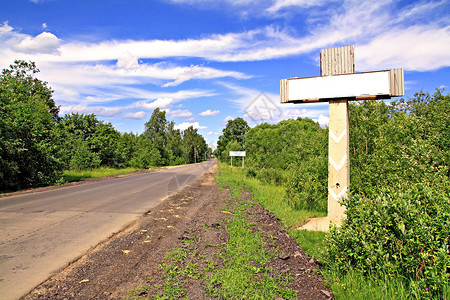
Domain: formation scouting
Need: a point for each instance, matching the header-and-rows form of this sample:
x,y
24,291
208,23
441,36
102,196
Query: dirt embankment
x,y
131,258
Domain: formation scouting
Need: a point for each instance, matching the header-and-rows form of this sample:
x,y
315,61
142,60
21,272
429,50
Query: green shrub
x,y
306,185
270,175
84,158
403,231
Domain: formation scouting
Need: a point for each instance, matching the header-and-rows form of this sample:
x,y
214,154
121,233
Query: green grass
x,y
312,242
270,196
244,274
75,175
352,285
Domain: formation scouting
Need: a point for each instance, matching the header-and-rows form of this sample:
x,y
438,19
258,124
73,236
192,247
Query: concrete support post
x,y
338,158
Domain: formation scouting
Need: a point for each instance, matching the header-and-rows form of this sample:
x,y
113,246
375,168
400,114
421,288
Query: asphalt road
x,y
42,232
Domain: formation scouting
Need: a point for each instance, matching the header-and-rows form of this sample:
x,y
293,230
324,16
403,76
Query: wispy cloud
x,y
209,113
135,116
179,113
151,105
282,4
366,23
102,111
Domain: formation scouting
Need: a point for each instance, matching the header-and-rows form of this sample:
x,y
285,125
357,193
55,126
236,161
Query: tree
x,y
235,130
156,132
146,155
83,158
28,114
174,145
127,145
101,140
194,145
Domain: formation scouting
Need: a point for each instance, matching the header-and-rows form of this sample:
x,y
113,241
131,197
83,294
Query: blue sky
x,y
206,61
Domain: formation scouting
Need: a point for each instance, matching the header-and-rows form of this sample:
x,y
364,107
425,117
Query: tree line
x,y
37,144
398,222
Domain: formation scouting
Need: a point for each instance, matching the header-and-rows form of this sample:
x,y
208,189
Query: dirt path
x,y
130,259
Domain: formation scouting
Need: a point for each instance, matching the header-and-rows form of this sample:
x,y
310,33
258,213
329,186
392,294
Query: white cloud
x,y
102,111
280,4
5,28
419,48
185,125
365,23
180,113
135,116
385,34
323,120
45,42
199,72
210,132
369,24
128,61
208,113
160,102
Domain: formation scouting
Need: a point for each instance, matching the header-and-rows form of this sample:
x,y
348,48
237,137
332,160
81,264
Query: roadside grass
x,y
270,196
244,274
352,285
75,175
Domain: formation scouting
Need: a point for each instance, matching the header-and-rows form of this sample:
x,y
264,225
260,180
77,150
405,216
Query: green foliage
x,y
28,155
234,131
195,148
86,142
395,239
156,132
403,232
398,213
146,155
292,153
406,141
83,157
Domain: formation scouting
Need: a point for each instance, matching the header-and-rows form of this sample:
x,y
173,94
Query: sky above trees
x,y
205,62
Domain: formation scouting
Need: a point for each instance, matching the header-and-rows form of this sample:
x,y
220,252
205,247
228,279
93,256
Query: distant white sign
x,y
237,153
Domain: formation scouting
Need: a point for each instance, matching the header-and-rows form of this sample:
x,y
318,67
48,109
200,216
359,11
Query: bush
x,y
270,175
306,186
250,172
402,231
84,158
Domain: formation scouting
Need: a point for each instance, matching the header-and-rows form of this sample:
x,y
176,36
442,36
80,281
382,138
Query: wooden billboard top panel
x,y
339,60
353,86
